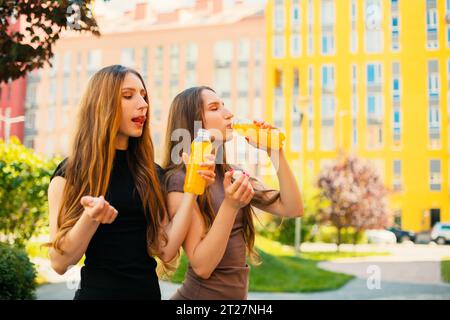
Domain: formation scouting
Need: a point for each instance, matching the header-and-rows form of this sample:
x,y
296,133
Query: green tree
x,y
24,50
24,180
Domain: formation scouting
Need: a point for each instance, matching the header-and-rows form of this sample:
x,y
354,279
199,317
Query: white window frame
x,y
279,44
353,26
435,178
279,16
310,23
296,23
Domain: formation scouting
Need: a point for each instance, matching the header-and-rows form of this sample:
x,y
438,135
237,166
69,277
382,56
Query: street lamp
x,y
298,221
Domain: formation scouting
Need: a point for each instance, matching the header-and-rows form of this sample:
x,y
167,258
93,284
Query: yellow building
x,y
371,77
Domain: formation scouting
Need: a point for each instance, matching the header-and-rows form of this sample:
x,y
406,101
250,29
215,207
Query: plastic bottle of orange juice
x,y
200,147
267,138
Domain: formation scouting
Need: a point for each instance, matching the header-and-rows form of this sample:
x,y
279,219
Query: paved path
x,y
410,272
355,290
419,272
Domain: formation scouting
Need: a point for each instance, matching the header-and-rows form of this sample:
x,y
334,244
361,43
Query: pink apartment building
x,y
206,44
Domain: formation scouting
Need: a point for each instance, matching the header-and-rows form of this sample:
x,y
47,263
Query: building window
x,y
435,175
310,142
396,103
447,17
191,64
432,24
296,45
278,108
373,16
279,25
93,61
296,113
144,64
258,68
395,25
174,70
354,85
66,78
242,107
310,23
327,27
223,52
127,57
328,108
374,106
353,27
296,15
258,108
49,147
397,168
53,91
33,80
51,119
54,61
279,18
278,45
158,78
433,104
243,71
78,76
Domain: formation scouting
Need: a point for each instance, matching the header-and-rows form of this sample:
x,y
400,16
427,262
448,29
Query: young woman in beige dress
x,y
221,234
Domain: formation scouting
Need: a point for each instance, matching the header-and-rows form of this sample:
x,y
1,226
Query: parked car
x,y
441,233
381,236
403,235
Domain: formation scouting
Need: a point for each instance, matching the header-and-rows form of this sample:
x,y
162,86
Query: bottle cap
x,y
239,121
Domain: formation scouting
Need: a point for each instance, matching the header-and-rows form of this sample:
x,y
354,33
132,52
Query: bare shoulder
x,y
56,186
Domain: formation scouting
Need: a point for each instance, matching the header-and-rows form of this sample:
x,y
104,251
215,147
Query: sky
x,y
115,7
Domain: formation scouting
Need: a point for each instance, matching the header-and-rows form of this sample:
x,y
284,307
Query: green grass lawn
x,y
282,271
445,269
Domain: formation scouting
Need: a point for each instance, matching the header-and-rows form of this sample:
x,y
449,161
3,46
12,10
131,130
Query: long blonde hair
x,y
186,108
89,165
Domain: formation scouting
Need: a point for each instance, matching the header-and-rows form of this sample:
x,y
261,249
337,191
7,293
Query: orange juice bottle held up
x,y
200,147
270,139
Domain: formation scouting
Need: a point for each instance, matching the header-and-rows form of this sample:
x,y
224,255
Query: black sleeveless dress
x,y
117,265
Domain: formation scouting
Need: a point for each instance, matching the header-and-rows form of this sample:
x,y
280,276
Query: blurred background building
x,y
12,102
206,43
370,77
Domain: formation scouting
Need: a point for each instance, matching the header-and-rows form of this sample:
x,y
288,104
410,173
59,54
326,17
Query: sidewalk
x,y
354,290
410,272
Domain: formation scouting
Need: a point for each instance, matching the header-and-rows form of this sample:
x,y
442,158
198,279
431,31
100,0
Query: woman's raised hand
x,y
98,209
206,168
238,193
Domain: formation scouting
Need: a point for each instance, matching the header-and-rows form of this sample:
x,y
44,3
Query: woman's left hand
x,y
261,125
206,168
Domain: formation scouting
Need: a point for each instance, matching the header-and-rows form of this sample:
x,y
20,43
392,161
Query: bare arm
x,y
205,251
181,216
76,241
178,227
290,203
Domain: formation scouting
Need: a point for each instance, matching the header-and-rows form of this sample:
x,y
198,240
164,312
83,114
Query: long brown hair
x,y
89,165
185,110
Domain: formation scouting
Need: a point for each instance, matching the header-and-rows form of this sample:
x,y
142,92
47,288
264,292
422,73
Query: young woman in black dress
x,y
105,200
